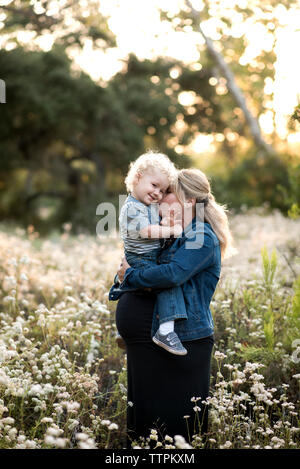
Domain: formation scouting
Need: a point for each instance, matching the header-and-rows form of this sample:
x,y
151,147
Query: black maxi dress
x,y
160,384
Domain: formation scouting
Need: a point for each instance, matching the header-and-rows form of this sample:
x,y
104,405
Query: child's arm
x,y
158,231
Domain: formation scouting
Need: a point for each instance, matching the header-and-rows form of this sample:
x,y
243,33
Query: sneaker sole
x,y
169,349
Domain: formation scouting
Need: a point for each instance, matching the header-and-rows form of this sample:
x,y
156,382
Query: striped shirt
x,y
135,216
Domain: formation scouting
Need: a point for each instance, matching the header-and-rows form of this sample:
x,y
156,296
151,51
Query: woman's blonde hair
x,y
193,183
147,162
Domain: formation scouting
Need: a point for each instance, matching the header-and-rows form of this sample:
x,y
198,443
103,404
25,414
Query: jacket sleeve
x,y
184,265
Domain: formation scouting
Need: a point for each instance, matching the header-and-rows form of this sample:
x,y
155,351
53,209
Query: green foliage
x,y
252,180
259,321
296,115
294,211
269,328
50,122
293,328
250,76
67,142
269,267
22,15
292,196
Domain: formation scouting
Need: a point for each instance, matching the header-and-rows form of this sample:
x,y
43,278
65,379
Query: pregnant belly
x,y
134,316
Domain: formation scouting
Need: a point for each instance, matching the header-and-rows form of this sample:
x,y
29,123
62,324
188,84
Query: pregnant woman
x,y
165,392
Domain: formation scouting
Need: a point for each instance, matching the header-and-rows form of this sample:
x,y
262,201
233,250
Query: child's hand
x,y
166,221
171,219
177,230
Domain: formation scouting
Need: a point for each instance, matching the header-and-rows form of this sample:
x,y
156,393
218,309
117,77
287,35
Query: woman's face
x,y
170,198
170,207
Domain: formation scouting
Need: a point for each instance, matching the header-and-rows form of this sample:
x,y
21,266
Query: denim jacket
x,y
192,261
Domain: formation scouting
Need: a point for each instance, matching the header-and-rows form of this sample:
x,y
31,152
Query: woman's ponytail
x,y
193,183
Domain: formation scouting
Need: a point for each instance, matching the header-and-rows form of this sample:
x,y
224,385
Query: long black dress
x,y
160,384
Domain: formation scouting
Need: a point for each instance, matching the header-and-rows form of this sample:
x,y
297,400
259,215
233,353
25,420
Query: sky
x,y
138,29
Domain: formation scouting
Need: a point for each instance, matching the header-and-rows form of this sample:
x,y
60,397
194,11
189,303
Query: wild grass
x,y
63,378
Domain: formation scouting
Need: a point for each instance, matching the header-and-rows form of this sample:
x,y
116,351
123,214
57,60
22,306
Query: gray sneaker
x,y
170,342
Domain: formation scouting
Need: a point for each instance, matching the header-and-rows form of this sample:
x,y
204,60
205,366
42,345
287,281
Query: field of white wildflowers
x,y
63,378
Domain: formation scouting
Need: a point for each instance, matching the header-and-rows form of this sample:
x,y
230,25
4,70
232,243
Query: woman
x,y
165,392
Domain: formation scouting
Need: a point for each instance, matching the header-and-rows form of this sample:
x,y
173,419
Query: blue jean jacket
x,y
170,301
192,261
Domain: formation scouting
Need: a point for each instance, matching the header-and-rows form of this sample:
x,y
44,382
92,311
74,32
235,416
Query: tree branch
x,y
232,86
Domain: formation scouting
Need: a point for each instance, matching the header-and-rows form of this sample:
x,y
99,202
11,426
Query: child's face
x,y
150,187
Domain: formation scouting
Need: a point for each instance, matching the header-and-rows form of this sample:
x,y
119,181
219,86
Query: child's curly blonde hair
x,y
147,162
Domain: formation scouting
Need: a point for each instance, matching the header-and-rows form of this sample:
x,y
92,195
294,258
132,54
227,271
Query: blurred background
x,y
90,85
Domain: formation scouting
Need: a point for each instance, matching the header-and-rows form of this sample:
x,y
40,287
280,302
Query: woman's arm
x,y
184,265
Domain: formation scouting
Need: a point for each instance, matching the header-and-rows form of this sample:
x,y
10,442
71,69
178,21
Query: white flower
x,y
30,444
61,442
24,260
36,390
122,388
8,299
227,445
181,443
256,377
73,423
237,381
13,261
113,426
54,431
8,421
47,420
219,355
105,422
49,440
82,436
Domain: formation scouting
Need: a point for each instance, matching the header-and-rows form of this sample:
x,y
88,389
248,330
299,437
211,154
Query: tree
x,y
53,17
48,132
232,86
244,78
67,142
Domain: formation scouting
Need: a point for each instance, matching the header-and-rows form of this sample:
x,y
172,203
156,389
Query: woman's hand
x,y
122,269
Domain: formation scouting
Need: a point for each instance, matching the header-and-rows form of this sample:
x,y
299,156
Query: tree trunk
x,y
233,87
